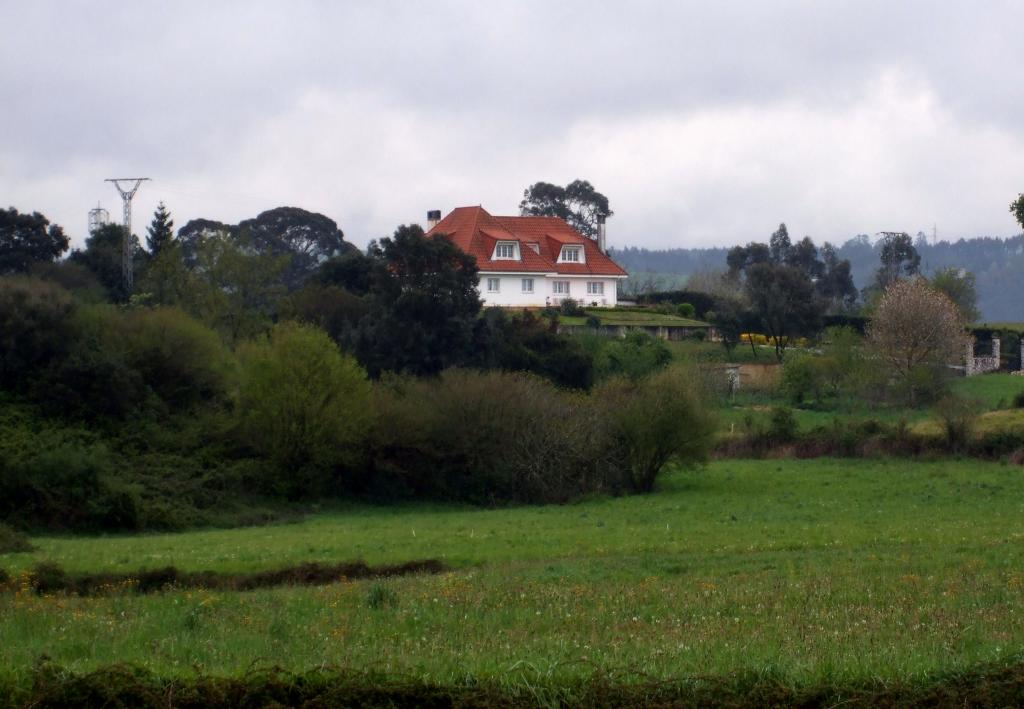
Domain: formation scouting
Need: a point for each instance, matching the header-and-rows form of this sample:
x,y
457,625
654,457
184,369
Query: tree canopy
x,y
308,239
160,231
26,239
578,203
1017,209
899,257
959,286
424,305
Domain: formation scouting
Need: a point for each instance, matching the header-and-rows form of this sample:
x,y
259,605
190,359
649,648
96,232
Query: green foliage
x,y
103,256
236,288
686,310
637,355
802,378
66,484
178,358
166,280
899,257
380,596
481,437
12,541
571,308
160,232
782,425
648,423
784,300
351,271
1017,209
960,287
28,239
959,417
303,405
578,203
35,324
92,380
522,342
424,306
333,309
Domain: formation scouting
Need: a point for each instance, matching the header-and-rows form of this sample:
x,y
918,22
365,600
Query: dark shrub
x,y
66,485
334,310
181,360
480,436
571,307
35,328
958,416
12,541
1018,400
526,343
93,380
782,426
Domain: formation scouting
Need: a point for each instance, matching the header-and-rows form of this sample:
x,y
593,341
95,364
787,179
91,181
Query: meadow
x,y
810,571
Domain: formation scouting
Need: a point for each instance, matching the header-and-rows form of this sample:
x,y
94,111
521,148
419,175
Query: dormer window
x,y
507,250
571,254
535,246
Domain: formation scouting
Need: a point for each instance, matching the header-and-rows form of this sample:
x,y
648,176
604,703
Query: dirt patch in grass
x,y
126,685
48,578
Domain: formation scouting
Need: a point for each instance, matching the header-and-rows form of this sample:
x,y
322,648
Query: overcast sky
x,y
705,123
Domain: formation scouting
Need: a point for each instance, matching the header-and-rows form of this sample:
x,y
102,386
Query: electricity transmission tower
x,y
127,257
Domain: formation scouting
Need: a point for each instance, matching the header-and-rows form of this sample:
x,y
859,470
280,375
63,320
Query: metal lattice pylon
x,y
127,257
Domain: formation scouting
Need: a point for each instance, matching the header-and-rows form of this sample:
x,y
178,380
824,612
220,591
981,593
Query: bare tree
x,y
917,331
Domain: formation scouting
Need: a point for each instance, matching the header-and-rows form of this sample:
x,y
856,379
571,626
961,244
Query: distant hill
x,y
998,265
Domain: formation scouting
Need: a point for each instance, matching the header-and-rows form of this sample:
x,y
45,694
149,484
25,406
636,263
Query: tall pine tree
x,y
160,231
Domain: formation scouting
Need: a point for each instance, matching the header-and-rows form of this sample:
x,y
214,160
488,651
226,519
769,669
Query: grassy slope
x,y
820,569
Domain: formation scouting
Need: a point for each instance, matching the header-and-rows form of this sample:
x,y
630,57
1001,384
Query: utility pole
x,y
127,257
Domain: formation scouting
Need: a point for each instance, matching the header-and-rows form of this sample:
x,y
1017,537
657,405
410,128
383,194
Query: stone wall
x,y
980,365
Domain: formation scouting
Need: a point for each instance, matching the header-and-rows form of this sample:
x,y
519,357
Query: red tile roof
x,y
476,232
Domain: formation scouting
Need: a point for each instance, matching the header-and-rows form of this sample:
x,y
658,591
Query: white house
x,y
531,261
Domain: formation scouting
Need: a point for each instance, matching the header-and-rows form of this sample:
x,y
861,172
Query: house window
x,y
535,246
572,254
505,250
493,285
595,287
527,285
560,287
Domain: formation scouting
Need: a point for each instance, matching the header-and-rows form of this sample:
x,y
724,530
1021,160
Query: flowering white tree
x,y
917,331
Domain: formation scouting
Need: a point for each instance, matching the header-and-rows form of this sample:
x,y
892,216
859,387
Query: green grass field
x,y
817,570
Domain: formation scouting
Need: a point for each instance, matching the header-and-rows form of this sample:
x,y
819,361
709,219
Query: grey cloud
x,y
238,107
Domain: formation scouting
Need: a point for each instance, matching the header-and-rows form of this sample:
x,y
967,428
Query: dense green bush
x,y
35,323
480,436
525,343
506,437
645,424
92,380
636,356
958,416
69,485
303,405
12,541
181,360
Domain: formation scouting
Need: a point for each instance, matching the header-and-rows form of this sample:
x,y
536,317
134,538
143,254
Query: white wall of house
x,y
510,292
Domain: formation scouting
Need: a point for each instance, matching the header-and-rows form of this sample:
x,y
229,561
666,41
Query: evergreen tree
x,y
160,231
